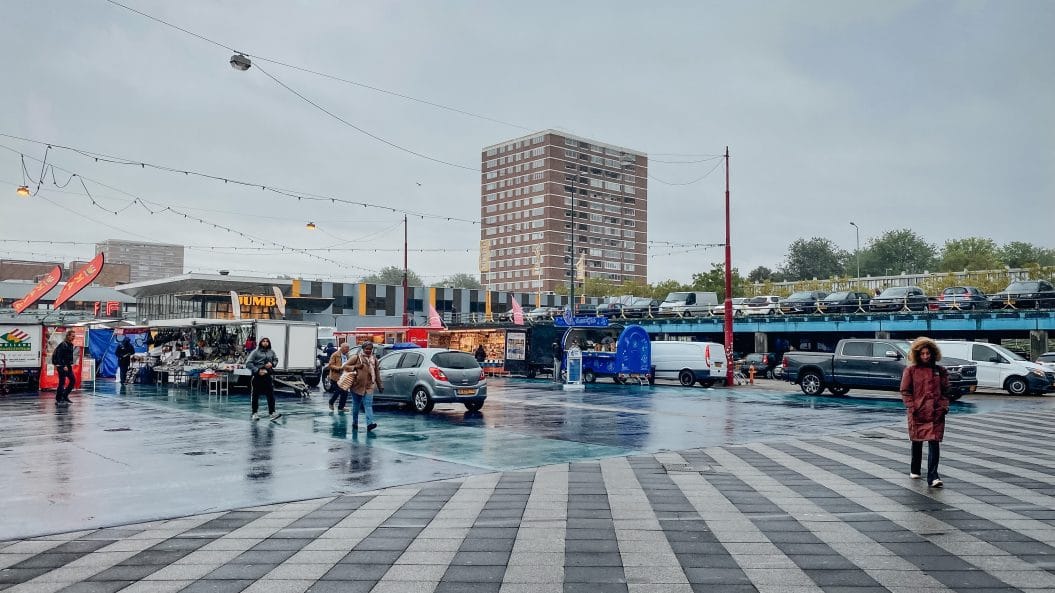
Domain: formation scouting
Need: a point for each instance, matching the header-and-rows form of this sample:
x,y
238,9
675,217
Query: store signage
x,y
583,321
107,309
256,300
80,280
47,283
16,340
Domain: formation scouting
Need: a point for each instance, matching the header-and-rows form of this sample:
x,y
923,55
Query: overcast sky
x,y
932,115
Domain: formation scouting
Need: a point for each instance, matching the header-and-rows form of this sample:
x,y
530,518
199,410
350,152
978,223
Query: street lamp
x,y
240,62
310,226
23,190
857,231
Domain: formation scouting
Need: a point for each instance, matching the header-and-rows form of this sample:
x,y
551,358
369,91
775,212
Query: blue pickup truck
x,y
875,364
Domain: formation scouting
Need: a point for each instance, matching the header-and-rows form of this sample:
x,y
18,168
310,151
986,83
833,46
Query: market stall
x,y
505,349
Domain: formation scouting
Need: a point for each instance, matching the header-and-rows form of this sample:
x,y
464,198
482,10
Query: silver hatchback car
x,y
424,377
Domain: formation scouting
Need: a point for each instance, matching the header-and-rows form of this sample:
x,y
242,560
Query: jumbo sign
x,y
255,300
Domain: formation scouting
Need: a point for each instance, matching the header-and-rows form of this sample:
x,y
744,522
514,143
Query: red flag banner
x,y
50,281
80,280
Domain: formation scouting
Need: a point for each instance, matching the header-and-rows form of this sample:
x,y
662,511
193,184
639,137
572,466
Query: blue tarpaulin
x,y
102,345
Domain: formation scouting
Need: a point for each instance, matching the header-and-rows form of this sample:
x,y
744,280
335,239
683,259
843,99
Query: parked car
x,y
1000,368
739,306
846,301
543,313
960,297
762,305
899,298
428,376
1047,360
764,363
1024,294
802,302
870,364
688,303
639,307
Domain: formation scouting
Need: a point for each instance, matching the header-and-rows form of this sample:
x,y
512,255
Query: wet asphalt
x,y
126,454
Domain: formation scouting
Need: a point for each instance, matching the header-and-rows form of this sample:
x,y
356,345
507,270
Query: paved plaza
x,y
823,503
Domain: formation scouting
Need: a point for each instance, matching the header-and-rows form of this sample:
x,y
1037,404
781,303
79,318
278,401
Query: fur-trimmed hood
x,y
920,343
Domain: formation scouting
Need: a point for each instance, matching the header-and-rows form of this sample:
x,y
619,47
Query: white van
x,y
1000,368
688,303
689,362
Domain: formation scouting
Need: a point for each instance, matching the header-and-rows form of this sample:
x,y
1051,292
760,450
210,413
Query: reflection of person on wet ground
x,y
261,363
260,442
361,461
62,359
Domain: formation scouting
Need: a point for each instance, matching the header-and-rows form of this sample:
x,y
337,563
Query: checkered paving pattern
x,y
833,514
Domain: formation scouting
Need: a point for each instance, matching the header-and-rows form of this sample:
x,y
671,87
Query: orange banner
x,y
81,279
41,289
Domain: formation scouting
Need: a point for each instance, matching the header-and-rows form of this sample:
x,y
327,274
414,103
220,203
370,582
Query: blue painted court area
x,y
131,454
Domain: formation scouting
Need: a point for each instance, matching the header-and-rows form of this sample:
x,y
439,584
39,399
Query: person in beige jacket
x,y
367,376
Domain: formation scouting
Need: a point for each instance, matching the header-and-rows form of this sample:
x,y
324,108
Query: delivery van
x,y
1000,368
688,303
688,362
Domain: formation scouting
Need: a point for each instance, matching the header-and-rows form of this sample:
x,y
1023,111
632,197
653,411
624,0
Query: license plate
x,y
466,392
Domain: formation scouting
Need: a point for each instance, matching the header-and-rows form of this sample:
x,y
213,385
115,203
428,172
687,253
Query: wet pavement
x,y
141,453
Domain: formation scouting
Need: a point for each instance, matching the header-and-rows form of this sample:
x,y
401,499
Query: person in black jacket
x,y
125,350
62,358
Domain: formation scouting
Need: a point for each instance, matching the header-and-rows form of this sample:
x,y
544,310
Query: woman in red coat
x,y
923,388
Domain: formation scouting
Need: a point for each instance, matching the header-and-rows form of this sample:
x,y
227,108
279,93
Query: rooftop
x,y
568,135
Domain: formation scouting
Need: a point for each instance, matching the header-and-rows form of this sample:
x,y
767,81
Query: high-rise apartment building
x,y
147,261
539,192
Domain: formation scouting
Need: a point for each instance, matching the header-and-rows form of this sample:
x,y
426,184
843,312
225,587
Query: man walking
x,y
125,350
367,376
62,359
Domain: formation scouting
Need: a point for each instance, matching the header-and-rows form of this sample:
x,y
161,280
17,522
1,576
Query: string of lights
x,y
300,196
160,208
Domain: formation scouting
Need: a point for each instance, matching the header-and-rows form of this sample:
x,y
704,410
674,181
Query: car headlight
x,y
1038,373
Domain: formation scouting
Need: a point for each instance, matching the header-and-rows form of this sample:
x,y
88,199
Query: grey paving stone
x,y
240,571
580,559
467,558
341,587
281,544
124,573
486,545
468,587
595,587
356,572
47,560
371,557
593,574
204,586
96,587
591,545
475,574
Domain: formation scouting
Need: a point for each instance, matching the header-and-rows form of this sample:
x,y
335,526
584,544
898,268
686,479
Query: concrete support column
x,y
761,342
1038,343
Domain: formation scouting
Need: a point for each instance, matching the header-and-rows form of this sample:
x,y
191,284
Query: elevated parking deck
x,y
974,322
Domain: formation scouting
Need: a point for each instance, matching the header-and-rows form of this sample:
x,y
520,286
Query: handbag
x,y
346,379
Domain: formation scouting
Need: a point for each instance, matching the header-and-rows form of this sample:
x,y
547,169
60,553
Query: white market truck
x,y
20,351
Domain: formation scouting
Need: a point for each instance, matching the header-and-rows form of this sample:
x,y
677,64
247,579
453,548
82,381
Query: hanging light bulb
x,y
240,62
310,226
23,191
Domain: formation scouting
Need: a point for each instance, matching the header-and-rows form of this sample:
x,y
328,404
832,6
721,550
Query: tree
x,y
813,258
971,253
393,276
1018,254
714,281
760,274
461,280
897,251
660,290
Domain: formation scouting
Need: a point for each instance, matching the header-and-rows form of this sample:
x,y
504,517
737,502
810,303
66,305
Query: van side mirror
x,y
893,354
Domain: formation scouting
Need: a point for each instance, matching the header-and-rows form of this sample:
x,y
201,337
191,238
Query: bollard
x,y
751,375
